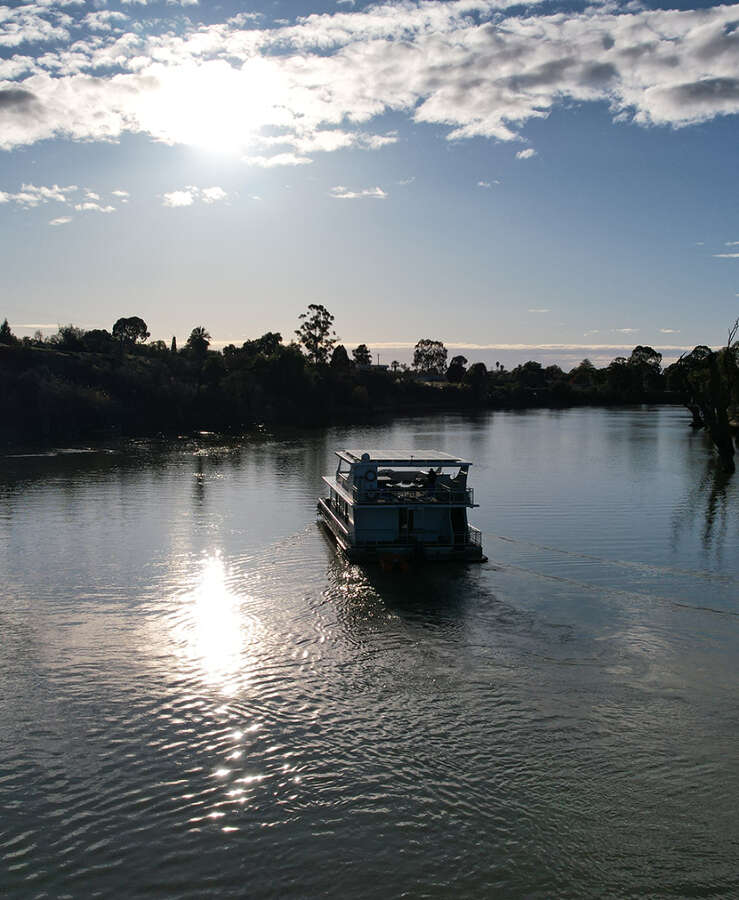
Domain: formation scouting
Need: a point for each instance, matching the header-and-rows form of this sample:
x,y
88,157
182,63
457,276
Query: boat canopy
x,y
402,458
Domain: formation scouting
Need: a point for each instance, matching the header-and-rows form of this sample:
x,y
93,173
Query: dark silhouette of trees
x,y
316,334
6,335
128,331
362,356
709,382
173,345
456,371
198,342
340,361
429,357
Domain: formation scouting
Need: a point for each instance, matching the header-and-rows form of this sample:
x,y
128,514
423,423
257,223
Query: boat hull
x,y
395,554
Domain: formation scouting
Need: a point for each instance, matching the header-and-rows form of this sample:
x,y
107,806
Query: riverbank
x,y
48,395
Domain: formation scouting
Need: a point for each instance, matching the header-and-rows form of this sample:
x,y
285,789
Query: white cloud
x,y
213,194
103,20
539,310
179,198
123,196
726,255
188,195
277,94
343,193
484,184
61,220
31,195
92,206
731,244
669,330
626,330
406,181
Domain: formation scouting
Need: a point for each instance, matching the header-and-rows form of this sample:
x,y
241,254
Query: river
x,y
199,697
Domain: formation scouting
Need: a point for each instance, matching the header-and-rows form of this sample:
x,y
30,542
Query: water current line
x,y
626,564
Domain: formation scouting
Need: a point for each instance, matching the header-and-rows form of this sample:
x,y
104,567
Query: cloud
x,y
178,198
31,195
484,184
626,330
726,255
92,206
123,196
188,195
542,310
274,95
731,244
213,194
342,193
61,220
669,330
405,181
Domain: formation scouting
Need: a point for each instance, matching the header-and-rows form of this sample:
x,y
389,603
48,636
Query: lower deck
x,y
459,541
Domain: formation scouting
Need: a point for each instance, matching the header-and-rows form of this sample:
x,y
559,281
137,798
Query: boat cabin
x,y
401,501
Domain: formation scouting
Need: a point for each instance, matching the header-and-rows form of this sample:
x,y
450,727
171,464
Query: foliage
x,y
6,335
130,330
199,341
362,356
316,333
456,371
709,382
340,361
429,357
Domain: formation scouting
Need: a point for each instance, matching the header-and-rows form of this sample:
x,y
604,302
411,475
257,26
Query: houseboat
x,y
399,505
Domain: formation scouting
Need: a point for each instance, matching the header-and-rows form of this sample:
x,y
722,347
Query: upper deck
x,y
401,477
401,459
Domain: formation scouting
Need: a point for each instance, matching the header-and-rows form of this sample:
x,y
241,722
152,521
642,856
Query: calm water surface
x,y
198,697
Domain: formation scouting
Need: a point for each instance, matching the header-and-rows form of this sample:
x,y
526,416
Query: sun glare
x,y
217,633
213,105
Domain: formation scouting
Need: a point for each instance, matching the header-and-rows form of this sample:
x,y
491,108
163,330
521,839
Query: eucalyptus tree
x,y
316,334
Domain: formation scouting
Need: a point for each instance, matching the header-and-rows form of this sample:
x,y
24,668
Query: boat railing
x,y
474,536
414,494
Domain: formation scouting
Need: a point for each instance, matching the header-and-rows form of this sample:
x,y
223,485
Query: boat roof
x,y
402,457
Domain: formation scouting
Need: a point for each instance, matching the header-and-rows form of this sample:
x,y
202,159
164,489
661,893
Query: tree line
x,y
81,382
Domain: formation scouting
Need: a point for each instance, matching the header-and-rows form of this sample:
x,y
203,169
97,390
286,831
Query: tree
x,y
362,356
316,334
173,345
429,357
710,380
199,341
69,337
477,378
395,365
645,362
340,361
456,370
98,340
130,330
6,335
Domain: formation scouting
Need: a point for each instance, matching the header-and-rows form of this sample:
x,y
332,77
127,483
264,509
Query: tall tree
x,y
710,381
429,357
362,356
340,361
130,330
173,345
6,335
199,341
316,333
456,371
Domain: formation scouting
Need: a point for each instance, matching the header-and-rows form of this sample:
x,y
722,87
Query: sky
x,y
543,181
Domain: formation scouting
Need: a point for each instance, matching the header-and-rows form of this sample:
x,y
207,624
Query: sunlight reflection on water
x,y
213,630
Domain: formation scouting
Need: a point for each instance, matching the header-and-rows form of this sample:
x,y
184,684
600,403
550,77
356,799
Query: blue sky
x,y
543,181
